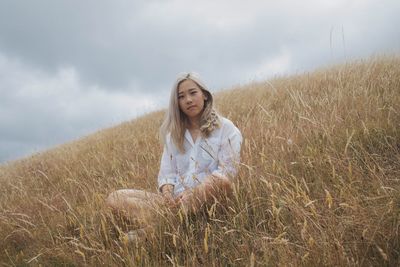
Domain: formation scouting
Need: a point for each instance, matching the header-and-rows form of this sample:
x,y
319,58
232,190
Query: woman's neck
x,y
194,124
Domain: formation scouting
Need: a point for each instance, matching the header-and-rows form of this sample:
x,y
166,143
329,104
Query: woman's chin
x,y
193,114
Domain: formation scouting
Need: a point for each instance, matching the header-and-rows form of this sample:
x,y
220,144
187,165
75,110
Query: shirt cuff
x,y
219,173
165,181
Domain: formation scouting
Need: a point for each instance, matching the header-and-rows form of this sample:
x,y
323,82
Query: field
x,y
319,183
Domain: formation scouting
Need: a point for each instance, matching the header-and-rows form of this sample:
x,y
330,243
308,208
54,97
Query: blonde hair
x,y
175,121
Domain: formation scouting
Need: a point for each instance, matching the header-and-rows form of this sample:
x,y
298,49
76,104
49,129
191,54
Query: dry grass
x,y
319,184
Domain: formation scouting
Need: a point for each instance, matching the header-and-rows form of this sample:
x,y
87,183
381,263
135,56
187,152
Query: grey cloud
x,y
89,35
68,68
115,47
38,110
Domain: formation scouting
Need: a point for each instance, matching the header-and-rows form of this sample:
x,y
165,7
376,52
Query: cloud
x,y
40,110
147,42
276,65
68,68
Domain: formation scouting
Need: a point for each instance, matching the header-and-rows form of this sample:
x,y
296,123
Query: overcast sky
x,y
69,68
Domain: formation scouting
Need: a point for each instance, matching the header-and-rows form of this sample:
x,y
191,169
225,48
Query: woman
x,y
201,155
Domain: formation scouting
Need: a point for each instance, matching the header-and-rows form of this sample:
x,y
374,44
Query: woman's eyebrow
x,y
189,90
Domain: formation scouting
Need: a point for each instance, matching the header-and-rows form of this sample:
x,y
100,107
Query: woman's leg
x,y
135,204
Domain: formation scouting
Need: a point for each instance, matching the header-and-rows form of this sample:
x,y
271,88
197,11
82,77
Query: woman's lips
x,y
189,108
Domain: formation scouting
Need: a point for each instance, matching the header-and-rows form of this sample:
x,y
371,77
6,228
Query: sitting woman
x,y
200,158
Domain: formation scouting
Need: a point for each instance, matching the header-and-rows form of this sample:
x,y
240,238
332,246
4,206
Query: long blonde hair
x,y
175,121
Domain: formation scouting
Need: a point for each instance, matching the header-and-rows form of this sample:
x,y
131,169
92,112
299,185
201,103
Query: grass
x,y
319,182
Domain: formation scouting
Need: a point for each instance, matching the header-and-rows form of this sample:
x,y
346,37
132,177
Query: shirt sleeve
x,y
167,174
229,153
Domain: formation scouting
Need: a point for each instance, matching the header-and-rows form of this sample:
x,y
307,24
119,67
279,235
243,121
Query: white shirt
x,y
217,154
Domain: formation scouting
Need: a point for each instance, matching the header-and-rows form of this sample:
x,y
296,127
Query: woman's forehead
x,y
186,85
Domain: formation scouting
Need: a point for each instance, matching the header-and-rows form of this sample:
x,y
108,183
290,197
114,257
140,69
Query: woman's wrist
x,y
167,190
167,194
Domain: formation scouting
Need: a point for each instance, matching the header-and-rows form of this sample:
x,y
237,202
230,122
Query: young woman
x,y
200,158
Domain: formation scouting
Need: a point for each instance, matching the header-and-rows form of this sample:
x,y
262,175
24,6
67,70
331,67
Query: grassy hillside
x,y
319,183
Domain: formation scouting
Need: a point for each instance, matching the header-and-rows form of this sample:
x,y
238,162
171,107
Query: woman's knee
x,y
114,199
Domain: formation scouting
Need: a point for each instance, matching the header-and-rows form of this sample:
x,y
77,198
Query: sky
x,y
69,68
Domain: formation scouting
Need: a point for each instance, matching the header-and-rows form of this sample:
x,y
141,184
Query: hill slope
x,y
319,184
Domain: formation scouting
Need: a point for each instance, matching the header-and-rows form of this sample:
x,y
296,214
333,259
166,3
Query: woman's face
x,y
191,99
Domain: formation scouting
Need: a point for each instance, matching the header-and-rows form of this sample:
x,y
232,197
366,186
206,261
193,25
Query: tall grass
x,y
319,183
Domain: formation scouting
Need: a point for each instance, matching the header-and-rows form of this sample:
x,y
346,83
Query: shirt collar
x,y
189,137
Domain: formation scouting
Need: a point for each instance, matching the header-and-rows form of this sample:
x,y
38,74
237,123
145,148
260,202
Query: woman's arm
x,y
220,181
229,152
167,174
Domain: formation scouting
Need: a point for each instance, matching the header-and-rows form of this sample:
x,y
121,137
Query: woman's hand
x,y
168,197
170,201
186,199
